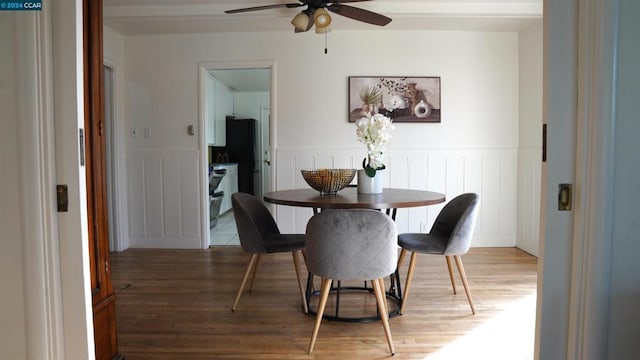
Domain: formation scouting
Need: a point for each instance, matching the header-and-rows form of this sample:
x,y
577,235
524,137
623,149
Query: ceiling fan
x,y
316,13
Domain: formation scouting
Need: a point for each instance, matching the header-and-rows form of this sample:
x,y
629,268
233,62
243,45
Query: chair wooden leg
x,y
386,303
381,299
463,276
250,268
302,292
403,252
407,285
324,294
453,281
255,270
304,256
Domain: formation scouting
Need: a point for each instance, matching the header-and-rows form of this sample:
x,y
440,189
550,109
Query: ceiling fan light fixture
x,y
321,18
300,22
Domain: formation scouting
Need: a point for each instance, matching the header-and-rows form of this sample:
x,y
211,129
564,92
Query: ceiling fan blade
x,y
310,13
345,1
359,14
264,7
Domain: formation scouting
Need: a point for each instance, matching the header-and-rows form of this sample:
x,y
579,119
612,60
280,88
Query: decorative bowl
x,y
328,181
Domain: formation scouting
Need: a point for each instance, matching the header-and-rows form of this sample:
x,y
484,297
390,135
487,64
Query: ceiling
x,y
245,80
146,17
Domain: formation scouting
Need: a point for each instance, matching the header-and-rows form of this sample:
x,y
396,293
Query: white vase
x,y
370,185
422,109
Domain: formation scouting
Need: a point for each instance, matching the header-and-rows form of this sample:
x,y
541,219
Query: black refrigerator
x,y
242,149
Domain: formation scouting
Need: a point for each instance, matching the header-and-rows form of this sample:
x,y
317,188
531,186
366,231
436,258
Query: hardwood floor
x,y
175,304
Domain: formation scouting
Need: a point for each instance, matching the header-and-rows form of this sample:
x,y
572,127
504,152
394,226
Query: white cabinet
x,y
209,109
229,185
223,106
218,104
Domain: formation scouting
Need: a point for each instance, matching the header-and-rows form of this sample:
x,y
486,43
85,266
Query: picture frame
x,y
405,99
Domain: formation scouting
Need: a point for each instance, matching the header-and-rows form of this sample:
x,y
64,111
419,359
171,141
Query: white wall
x,y
530,137
479,73
13,340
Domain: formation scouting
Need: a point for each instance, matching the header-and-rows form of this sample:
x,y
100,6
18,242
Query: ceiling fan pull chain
x,y
325,42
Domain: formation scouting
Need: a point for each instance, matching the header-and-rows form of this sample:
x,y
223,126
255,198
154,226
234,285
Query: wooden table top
x,y
349,198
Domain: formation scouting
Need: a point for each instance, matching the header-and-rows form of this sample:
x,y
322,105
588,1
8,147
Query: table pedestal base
x,y
393,294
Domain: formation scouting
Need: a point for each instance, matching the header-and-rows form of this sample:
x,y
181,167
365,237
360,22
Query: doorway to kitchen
x,y
236,106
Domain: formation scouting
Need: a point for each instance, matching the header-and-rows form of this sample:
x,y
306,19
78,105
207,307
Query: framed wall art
x,y
403,99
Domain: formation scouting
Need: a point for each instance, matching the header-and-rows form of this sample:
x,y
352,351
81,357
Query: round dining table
x,y
389,200
349,198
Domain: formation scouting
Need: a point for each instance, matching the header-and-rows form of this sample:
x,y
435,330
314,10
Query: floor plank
x,y
175,304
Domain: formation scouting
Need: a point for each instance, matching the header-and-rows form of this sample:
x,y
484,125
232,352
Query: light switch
x,y
147,133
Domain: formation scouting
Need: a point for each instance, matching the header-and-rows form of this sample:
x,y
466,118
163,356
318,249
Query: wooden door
x,y
103,296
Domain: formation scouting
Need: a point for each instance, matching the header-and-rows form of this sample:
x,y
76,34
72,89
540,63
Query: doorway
x,y
251,87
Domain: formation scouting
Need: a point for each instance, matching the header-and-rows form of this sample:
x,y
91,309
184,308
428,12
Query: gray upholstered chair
x,y
450,236
259,234
356,244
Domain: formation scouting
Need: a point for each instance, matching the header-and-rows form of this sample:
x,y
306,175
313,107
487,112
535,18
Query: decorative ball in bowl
x,y
328,181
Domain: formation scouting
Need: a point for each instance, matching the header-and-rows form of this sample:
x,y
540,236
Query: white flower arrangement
x,y
374,131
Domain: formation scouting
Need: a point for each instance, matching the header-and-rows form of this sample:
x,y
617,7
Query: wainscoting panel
x,y
491,173
171,171
163,199
136,198
163,193
190,197
153,184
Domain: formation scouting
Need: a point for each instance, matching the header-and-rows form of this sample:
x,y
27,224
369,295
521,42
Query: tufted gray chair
x,y
259,234
355,244
450,236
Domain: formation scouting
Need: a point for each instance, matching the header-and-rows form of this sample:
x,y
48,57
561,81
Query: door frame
x,y
265,179
203,68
